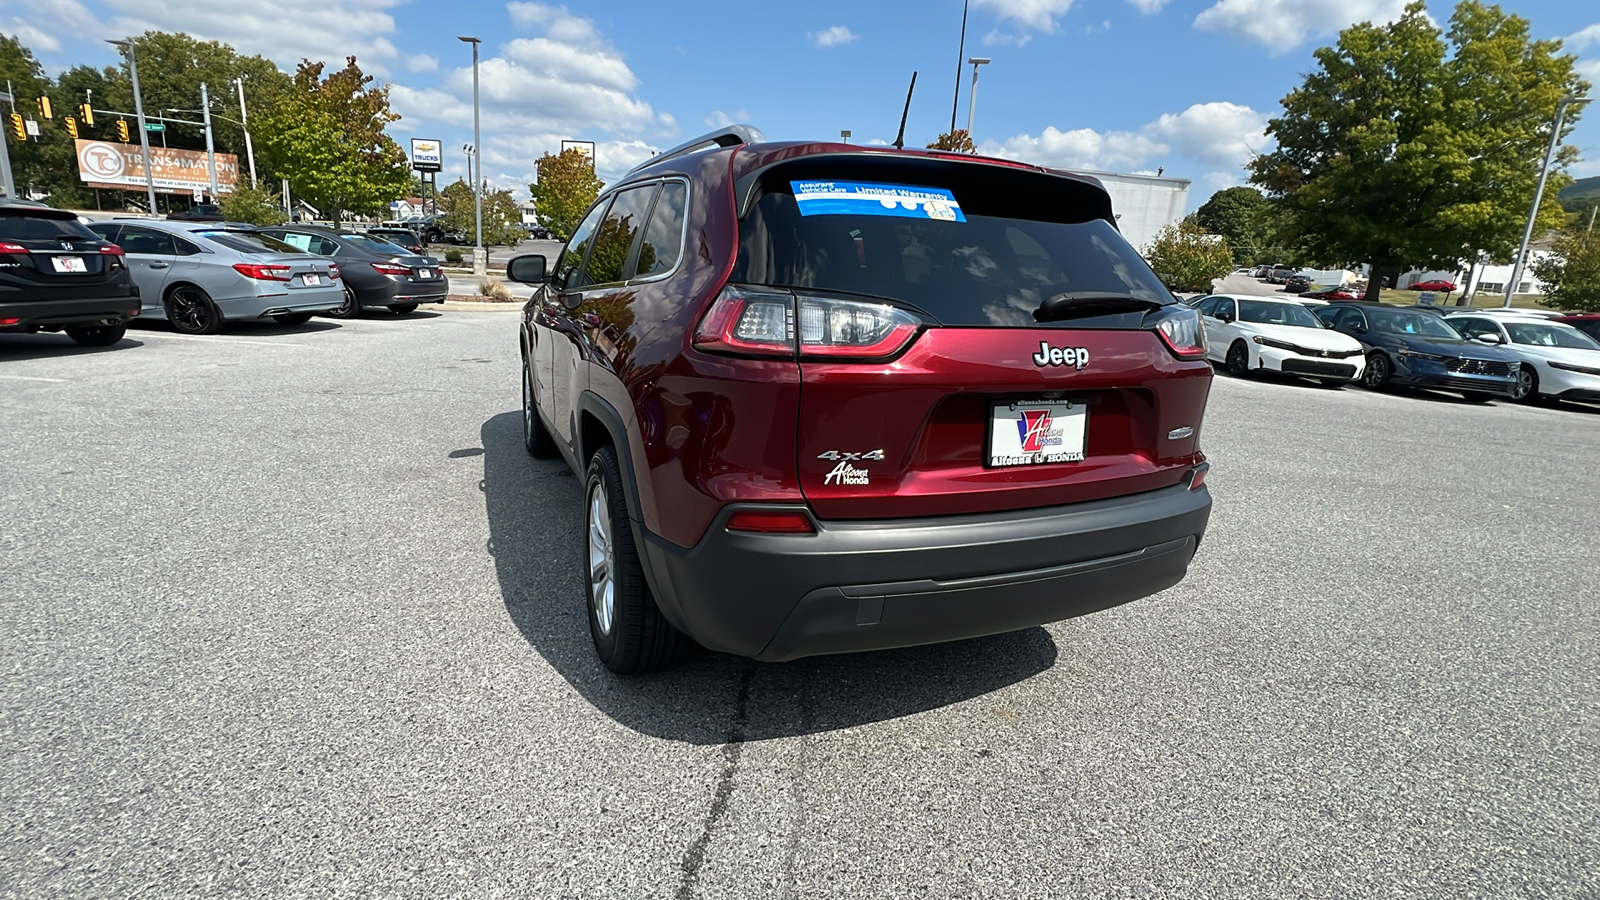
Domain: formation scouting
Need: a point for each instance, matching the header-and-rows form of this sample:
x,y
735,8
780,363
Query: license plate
x,y
1034,432
311,280
68,264
424,273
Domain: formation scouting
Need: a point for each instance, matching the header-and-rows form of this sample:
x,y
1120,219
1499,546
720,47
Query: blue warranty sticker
x,y
858,198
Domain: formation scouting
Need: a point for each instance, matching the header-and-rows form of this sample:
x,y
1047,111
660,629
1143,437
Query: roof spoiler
x,y
728,136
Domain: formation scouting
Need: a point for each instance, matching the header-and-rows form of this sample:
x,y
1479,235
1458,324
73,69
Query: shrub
x,y
453,256
495,292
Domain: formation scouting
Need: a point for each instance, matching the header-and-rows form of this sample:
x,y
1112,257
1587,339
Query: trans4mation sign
x,y
860,198
1033,432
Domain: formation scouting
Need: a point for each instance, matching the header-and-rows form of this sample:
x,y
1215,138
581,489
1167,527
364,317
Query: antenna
x,y
900,139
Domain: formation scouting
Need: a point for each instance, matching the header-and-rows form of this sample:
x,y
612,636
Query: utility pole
x,y
1520,262
6,180
244,121
480,256
955,100
972,96
211,151
144,133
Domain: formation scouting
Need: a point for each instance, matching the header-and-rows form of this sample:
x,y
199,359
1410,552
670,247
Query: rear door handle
x,y
159,265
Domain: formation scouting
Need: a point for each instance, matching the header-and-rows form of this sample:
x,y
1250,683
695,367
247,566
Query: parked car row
x,y
59,274
1520,355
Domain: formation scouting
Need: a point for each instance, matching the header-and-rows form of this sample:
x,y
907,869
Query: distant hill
x,y
1582,189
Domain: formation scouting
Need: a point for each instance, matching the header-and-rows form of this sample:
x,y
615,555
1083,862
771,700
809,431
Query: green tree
x,y
1187,259
326,135
1571,273
247,204
566,188
1239,214
1408,146
958,141
500,213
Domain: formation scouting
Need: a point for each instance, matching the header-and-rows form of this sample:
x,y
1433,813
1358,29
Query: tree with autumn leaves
x,y
326,135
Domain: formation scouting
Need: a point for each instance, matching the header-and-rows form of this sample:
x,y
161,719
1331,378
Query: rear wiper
x,y
1068,305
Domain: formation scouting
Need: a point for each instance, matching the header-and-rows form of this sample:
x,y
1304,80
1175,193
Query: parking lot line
x,y
219,339
34,378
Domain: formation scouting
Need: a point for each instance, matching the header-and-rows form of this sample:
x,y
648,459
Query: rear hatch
x,y
47,254
972,338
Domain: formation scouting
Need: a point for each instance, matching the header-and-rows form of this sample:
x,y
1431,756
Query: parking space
x,y
289,611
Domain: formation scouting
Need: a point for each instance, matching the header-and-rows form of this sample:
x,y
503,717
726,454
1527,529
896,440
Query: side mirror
x,y
1358,328
526,269
1489,337
1224,317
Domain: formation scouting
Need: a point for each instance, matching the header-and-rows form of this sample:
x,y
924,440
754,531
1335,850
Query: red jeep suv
x,y
828,398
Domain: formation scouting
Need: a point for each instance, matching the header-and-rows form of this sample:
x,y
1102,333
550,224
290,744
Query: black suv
x,y
57,275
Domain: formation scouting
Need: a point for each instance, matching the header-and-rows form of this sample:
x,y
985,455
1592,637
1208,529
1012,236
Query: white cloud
x,y
1583,38
557,22
1028,15
422,62
585,65
833,37
1280,25
1217,135
325,30
1148,7
31,37
720,119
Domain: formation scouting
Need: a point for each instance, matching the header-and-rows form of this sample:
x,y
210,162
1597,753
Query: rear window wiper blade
x,y
1083,304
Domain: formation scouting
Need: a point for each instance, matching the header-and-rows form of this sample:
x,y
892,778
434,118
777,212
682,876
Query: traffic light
x,y
44,108
86,113
122,130
18,128
72,126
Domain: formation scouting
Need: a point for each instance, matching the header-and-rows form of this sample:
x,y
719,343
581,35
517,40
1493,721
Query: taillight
x,y
262,272
333,271
766,323
1198,477
13,320
777,521
1180,329
13,248
118,258
390,269
110,250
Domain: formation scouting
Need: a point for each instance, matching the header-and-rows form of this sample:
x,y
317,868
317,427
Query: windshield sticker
x,y
859,198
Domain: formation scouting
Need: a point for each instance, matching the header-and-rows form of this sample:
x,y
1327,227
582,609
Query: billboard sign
x,y
107,164
426,155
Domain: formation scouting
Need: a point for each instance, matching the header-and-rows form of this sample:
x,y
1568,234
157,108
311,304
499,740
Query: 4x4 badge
x,y
835,454
1076,357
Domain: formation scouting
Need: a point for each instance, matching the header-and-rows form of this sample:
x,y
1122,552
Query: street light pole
x,y
972,96
480,257
244,122
1538,195
138,112
211,149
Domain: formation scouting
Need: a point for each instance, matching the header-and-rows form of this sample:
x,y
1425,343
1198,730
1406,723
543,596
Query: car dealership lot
x,y
289,611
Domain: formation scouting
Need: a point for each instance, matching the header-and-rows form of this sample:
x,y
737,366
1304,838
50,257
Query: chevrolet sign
x,y
426,155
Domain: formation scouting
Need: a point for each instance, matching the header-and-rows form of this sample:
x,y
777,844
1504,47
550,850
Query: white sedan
x,y
1259,334
1557,360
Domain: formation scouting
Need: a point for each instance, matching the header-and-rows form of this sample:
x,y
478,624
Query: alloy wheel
x,y
527,402
1377,372
1523,389
602,586
189,311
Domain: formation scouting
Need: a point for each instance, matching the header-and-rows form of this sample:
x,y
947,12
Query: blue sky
x,y
1120,85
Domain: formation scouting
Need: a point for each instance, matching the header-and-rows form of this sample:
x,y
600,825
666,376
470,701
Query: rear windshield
x,y
986,245
37,228
247,242
368,242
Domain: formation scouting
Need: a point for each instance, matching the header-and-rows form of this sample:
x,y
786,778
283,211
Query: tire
x,y
351,307
1475,397
96,335
1238,360
536,439
191,311
299,318
404,309
1376,376
1526,390
630,634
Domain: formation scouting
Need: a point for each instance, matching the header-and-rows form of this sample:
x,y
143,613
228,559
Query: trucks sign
x,y
426,155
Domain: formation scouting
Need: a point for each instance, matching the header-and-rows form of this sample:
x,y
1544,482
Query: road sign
x,y
33,128
155,126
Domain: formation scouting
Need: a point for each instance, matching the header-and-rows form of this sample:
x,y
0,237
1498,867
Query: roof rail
x,y
727,136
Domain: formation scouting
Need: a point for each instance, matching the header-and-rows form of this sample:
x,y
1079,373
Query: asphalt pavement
x,y
289,612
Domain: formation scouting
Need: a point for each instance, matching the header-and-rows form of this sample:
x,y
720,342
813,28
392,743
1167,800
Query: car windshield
x,y
247,241
1539,334
1267,312
1399,321
981,247
368,242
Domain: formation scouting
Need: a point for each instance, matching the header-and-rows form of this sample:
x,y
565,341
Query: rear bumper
x,y
60,313
871,585
310,299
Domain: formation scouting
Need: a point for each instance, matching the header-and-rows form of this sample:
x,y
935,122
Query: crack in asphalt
x,y
732,749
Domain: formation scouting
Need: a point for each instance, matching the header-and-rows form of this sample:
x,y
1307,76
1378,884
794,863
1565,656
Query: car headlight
x,y
1271,342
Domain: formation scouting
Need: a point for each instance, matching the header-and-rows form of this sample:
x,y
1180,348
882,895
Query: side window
x,y
1208,306
323,246
106,230
1327,315
663,239
1228,307
183,247
614,241
148,241
566,276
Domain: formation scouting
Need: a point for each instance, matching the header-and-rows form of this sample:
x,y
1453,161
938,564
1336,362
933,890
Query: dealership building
x,y
1143,204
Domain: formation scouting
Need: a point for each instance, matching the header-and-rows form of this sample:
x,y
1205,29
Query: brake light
x,y
110,250
13,248
390,269
333,271
262,272
766,324
1180,329
9,321
771,522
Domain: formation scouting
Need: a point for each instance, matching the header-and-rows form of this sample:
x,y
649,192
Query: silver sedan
x,y
199,275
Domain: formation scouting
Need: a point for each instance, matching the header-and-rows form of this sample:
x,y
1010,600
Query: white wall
x,y
1144,204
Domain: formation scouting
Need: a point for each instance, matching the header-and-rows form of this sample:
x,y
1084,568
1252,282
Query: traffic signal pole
x,y
144,133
